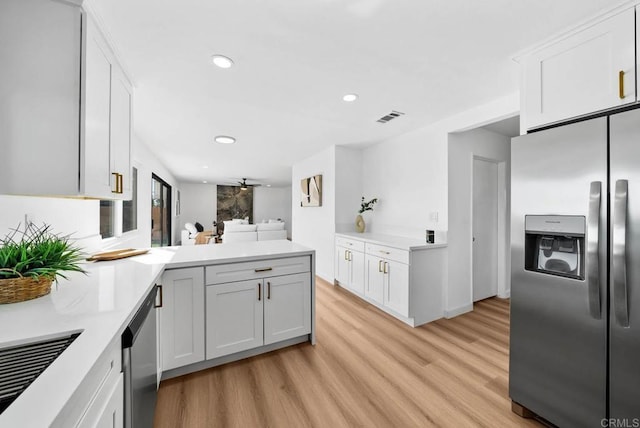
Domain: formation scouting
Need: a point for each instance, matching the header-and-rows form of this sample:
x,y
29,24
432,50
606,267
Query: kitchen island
x,y
100,305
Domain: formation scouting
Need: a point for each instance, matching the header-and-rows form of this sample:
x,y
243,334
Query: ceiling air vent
x,y
388,117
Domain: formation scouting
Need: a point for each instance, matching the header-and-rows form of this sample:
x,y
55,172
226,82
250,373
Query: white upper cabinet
x,y
586,72
65,105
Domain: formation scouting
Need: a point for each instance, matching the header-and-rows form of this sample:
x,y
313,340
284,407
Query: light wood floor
x,y
367,370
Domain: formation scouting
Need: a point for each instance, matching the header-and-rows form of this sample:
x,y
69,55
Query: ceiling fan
x,y
244,186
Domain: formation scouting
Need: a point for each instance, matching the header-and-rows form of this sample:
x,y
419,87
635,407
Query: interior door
x,y
625,272
558,350
485,229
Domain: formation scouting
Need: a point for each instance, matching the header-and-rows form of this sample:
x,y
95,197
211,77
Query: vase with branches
x,y
364,206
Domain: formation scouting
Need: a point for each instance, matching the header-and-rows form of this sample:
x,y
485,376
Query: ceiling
x,y
508,127
294,60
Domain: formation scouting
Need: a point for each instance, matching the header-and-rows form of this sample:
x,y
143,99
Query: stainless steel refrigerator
x,y
575,280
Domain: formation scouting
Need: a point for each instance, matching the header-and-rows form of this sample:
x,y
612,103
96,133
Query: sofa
x,y
191,236
238,231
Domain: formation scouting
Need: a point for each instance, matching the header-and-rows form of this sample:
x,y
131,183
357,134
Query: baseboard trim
x,y
202,365
452,313
505,295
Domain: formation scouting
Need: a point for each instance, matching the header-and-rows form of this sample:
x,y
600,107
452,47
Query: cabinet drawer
x,y
351,244
390,253
219,274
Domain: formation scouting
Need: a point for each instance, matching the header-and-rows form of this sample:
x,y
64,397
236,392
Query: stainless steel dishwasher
x,y
139,364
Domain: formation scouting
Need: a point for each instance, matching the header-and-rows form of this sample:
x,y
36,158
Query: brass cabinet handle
x,y
345,254
116,181
259,291
349,259
269,290
385,252
621,84
121,181
159,291
386,267
263,269
379,265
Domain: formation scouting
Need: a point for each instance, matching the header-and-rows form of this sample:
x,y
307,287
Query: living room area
x,y
218,213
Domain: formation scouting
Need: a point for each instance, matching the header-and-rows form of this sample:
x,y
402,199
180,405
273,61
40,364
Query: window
x,y
106,219
130,208
118,217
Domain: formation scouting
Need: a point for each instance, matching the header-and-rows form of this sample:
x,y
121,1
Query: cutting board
x,y
116,254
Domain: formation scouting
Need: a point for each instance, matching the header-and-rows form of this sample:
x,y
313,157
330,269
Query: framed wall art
x,y
311,191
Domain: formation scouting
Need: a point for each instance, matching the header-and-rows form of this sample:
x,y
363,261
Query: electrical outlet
x,y
433,216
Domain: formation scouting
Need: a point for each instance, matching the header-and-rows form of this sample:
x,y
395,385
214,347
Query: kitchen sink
x,y
20,365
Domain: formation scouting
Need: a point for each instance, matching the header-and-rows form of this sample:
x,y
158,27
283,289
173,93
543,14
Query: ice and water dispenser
x,y
554,245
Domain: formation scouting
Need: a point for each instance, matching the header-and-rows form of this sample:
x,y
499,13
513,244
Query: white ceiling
x,y
295,59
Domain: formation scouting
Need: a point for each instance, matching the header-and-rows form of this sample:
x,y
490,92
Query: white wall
x,y
272,203
314,227
198,203
80,217
409,175
348,194
462,149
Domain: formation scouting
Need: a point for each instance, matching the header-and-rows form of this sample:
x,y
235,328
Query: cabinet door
x,y
234,317
580,74
121,133
396,287
97,110
182,317
375,279
357,272
40,52
287,307
107,409
112,415
342,266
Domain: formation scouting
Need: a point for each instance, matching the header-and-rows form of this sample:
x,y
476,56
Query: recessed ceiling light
x,y
204,181
225,139
268,185
349,98
222,61
205,166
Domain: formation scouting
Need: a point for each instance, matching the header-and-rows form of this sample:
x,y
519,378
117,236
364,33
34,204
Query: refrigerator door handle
x,y
593,249
620,305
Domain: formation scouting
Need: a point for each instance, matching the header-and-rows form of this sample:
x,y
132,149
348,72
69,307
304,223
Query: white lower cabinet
x,y
404,277
234,317
108,411
350,269
182,317
99,400
374,288
247,314
217,310
287,307
396,287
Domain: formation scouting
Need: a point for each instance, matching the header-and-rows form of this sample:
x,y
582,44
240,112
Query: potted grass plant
x,y
31,259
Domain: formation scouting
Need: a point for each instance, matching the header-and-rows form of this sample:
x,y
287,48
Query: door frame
x,y
168,204
503,248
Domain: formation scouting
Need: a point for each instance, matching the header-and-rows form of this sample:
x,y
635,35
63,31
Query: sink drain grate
x,y
20,365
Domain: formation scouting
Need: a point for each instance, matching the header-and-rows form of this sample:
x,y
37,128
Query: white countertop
x,y
101,304
392,241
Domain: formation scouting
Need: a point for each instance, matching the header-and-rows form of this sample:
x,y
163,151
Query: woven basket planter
x,y
13,290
